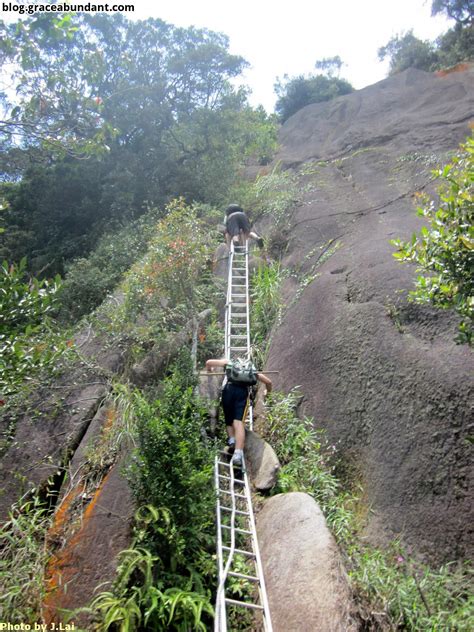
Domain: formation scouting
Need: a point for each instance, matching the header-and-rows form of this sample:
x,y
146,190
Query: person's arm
x,y
266,380
212,364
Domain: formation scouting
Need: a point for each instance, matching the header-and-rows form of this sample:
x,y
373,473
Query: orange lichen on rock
x,y
61,513
461,67
110,417
64,565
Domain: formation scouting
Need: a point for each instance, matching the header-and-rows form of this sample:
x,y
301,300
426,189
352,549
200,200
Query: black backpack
x,y
241,372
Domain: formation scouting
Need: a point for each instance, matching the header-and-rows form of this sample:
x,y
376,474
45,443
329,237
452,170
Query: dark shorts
x,y
234,402
237,222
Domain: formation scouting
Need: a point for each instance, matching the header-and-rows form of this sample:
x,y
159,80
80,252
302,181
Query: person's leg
x,y
239,433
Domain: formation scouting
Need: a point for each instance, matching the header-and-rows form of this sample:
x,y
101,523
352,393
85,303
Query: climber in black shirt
x,y
237,226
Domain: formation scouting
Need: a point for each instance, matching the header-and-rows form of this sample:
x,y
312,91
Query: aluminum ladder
x,y
237,315
238,555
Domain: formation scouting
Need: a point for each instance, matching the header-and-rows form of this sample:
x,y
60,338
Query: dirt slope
x,y
383,376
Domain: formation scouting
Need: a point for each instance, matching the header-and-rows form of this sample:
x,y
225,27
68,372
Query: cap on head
x,y
233,208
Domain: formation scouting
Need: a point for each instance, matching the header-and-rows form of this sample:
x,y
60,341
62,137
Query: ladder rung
x,y
239,304
224,491
238,325
238,530
243,604
238,335
240,551
242,513
228,478
238,349
250,578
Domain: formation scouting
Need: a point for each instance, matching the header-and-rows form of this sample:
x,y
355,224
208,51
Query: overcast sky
x,y
287,37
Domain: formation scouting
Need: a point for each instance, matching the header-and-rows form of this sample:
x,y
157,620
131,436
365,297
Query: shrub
x,y
27,341
444,250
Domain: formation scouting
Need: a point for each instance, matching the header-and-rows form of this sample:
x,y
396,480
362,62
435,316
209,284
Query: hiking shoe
x,y
237,462
260,243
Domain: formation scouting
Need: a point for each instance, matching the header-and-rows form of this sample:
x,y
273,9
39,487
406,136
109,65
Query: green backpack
x,y
241,372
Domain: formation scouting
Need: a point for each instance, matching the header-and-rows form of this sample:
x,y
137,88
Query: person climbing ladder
x,y
240,376
237,227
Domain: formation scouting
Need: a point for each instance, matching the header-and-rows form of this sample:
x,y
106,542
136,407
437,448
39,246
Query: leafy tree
x,y
460,10
296,92
456,45
25,304
407,51
329,65
55,108
444,250
155,98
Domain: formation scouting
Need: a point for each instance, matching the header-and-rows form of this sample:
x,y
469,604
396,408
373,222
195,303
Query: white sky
x,y
279,38
287,37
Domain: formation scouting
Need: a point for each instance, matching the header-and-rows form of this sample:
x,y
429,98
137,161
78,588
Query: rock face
x,y
306,584
56,419
88,558
381,374
262,461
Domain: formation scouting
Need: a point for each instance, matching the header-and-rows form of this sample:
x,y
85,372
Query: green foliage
x,y
134,113
295,92
23,558
393,591
174,468
271,196
459,10
89,280
139,599
444,250
173,281
266,305
307,459
329,65
410,595
407,51
164,580
27,342
456,45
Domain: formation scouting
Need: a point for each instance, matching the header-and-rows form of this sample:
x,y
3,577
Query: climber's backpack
x,y
241,372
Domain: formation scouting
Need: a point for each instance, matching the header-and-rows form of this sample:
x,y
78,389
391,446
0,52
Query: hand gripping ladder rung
x,y
236,542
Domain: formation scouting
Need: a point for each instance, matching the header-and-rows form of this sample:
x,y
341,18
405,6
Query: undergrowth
x,y
265,306
165,579
23,557
392,590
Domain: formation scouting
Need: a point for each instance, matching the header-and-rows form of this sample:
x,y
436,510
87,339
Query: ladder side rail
x,y
220,614
220,620
228,307
247,302
258,561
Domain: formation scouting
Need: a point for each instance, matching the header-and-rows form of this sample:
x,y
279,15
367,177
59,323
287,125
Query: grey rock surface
x,y
382,375
306,583
261,460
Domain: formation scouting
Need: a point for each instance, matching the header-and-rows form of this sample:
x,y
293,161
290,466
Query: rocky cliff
x,y
383,376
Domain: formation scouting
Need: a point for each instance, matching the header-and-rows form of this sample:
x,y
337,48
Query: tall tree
x,y
460,10
295,93
407,51
139,111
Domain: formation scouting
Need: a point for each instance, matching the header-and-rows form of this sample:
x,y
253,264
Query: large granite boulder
x,y
306,583
261,460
